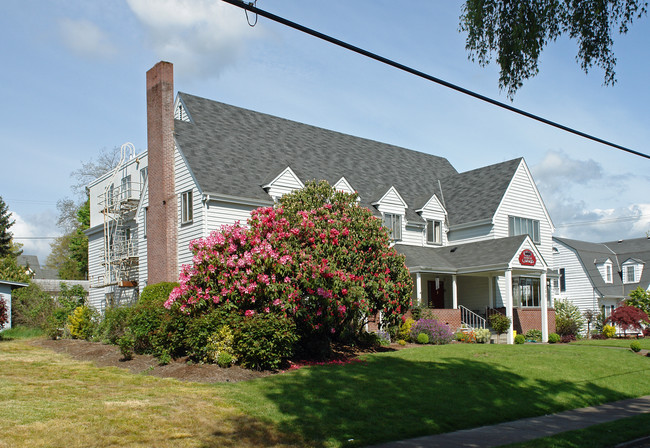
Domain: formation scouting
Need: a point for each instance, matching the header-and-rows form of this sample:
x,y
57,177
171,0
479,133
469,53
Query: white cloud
x,y
200,37
85,38
33,228
589,202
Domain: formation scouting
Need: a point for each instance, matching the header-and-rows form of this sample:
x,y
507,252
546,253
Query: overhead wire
x,y
252,8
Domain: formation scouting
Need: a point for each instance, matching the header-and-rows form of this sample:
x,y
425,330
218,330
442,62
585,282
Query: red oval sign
x,y
527,258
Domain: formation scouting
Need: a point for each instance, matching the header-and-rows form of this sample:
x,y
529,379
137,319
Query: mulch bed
x,y
104,355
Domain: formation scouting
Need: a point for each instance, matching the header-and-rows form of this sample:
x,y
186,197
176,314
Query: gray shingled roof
x,y
463,257
234,151
592,253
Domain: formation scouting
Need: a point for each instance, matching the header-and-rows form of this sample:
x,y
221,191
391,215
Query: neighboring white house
x,y
599,276
472,240
6,287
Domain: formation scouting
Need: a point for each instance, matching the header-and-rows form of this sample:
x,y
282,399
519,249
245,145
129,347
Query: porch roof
x,y
480,256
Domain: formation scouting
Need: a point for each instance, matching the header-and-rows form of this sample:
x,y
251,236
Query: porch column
x,y
418,288
510,339
543,289
491,291
454,290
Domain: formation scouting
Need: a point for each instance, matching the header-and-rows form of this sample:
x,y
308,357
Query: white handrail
x,y
470,318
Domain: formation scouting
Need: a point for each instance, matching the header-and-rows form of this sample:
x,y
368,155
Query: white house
x,y
599,276
473,241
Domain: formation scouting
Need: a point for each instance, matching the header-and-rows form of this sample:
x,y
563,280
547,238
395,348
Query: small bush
x,y
598,336
4,315
566,327
635,346
520,339
31,307
263,341
219,343
534,335
82,322
468,337
405,329
416,312
553,338
113,324
224,360
401,342
423,338
483,335
500,323
437,332
204,334
567,338
609,331
383,337
126,343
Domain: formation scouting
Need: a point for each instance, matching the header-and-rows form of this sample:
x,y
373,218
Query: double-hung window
x,y
434,231
608,273
630,276
524,226
562,280
393,223
187,213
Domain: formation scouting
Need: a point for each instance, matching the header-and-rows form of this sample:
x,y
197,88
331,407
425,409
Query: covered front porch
x,y
466,283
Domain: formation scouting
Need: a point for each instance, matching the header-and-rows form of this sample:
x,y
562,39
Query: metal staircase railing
x,y
470,319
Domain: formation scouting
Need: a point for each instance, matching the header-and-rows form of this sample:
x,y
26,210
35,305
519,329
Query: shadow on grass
x,y
243,430
391,398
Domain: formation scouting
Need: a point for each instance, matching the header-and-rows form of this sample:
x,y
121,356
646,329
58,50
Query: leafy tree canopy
x,y
5,234
640,298
628,317
518,31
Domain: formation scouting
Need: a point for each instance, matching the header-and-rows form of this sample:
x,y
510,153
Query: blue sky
x,y
73,83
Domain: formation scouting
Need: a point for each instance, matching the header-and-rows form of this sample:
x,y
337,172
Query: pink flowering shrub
x,y
4,315
319,259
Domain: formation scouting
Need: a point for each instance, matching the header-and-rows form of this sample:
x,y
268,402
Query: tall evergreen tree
x,y
5,235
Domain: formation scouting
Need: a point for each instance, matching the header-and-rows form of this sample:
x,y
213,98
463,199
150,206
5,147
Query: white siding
x,y
473,292
412,235
522,199
225,213
343,185
96,268
434,210
184,181
285,183
578,286
392,203
471,234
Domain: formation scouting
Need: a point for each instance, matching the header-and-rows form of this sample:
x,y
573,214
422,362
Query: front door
x,y
436,295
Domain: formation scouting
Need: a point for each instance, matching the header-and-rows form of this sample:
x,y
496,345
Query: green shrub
x,y
4,315
113,324
482,335
416,312
568,318
126,343
263,341
82,322
423,338
609,331
405,329
220,342
31,306
157,330
224,359
565,326
438,332
534,335
401,342
201,334
553,338
635,346
520,339
459,336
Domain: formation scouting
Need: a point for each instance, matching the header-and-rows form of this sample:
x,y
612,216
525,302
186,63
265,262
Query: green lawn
x,y
391,396
645,342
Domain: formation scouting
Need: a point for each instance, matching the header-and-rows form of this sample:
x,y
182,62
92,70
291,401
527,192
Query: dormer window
x,y
608,273
630,274
393,223
434,231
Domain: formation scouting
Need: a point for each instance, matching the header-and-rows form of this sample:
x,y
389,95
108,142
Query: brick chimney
x,y
162,214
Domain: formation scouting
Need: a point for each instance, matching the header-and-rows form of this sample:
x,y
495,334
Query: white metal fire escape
x,y
118,204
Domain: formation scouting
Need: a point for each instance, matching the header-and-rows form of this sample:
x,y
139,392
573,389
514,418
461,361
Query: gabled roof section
x,y
230,150
344,185
433,201
287,177
475,195
633,261
392,193
180,111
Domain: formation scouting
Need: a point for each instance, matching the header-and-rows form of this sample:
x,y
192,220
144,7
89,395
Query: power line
x,y
347,46
603,221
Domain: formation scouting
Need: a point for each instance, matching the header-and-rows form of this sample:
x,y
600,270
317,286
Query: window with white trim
x,y
524,226
144,172
144,222
630,274
608,273
434,231
562,280
607,310
393,223
187,212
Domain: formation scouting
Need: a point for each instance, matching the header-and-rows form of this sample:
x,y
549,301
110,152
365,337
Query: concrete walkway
x,y
530,428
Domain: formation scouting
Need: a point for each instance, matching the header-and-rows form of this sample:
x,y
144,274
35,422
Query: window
x,y
434,232
524,226
109,199
187,213
562,280
526,292
144,172
393,223
629,274
608,273
144,222
126,187
607,310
